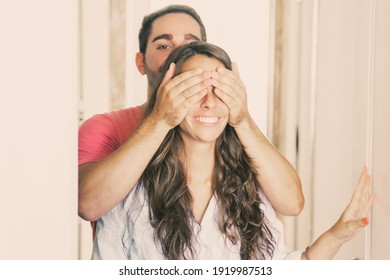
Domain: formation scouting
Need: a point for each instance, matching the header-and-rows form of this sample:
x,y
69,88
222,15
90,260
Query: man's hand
x,y
232,91
278,179
176,95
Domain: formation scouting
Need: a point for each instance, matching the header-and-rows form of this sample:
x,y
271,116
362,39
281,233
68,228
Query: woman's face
x,y
207,119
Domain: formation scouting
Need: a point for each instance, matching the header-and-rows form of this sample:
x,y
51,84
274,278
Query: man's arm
x,y
103,184
277,177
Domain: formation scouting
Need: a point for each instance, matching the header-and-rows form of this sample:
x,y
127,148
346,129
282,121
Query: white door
x,y
38,119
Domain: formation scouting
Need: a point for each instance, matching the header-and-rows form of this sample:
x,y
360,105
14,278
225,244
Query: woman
x,y
199,197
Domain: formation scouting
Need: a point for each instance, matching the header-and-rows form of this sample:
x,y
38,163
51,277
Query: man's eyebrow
x,y
162,37
169,37
191,37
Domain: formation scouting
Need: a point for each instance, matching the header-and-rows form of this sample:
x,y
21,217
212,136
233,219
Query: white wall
x,y
94,57
38,118
341,113
380,231
94,97
344,104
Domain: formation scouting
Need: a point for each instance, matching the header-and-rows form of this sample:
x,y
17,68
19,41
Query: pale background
x,y
316,68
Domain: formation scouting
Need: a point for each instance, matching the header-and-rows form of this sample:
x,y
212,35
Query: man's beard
x,y
151,76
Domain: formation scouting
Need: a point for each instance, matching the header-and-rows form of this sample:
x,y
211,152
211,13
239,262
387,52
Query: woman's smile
x,y
207,120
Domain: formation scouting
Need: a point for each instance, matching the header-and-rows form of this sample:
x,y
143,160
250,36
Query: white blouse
x,y
126,233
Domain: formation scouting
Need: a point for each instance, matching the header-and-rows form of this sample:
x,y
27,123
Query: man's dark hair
x,y
148,20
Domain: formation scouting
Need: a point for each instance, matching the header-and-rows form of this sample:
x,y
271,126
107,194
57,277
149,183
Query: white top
x,y
126,233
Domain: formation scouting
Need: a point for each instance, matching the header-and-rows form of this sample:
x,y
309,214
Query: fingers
x,y
354,225
364,185
168,75
228,79
195,98
228,99
190,82
370,201
362,199
188,88
193,86
184,86
228,85
235,68
362,195
361,222
186,80
175,95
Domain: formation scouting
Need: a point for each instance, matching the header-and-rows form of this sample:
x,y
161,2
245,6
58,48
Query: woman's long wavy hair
x,y
240,218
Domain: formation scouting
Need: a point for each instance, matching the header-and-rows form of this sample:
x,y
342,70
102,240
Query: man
x,y
115,148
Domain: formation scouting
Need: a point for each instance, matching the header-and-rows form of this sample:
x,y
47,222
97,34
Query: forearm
x,y
324,247
103,184
277,177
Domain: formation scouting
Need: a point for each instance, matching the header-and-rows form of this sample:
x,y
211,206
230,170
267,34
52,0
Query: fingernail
x,y
365,220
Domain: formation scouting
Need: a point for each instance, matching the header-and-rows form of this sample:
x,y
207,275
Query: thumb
x,y
365,221
235,68
356,224
169,74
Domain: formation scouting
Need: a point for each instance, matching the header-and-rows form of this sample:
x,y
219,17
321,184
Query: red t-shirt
x,y
102,134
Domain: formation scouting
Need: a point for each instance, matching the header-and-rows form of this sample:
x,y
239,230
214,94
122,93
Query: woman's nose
x,y
210,99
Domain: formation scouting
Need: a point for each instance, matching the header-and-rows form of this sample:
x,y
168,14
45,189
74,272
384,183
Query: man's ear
x,y
139,61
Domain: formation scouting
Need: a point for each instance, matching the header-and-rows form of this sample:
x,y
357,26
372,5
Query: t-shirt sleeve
x,y
96,139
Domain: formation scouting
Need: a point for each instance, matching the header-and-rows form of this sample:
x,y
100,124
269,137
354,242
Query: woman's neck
x,y
199,161
199,165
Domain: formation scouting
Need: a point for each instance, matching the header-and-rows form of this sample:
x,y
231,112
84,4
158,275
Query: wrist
x,y
158,122
337,234
246,123
153,125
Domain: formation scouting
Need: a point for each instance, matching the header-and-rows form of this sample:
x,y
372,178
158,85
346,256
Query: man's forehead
x,y
175,24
